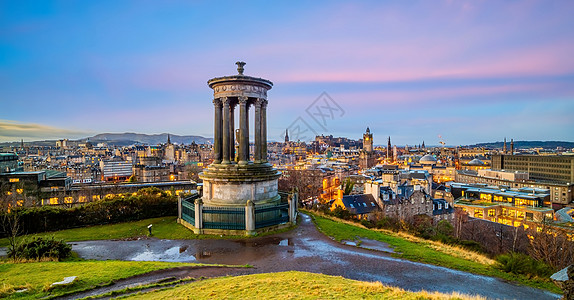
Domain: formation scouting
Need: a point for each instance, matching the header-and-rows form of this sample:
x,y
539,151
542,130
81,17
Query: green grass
x,y
37,276
423,252
289,285
163,228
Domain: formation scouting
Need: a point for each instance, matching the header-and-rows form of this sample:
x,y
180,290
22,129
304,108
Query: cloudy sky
x,y
468,71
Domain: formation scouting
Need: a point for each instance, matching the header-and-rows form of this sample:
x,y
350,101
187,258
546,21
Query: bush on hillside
x,y
40,248
519,263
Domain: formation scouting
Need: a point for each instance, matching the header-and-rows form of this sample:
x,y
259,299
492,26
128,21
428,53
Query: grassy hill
x,y
290,285
426,251
36,277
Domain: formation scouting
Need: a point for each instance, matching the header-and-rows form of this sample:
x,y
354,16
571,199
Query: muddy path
x,y
306,249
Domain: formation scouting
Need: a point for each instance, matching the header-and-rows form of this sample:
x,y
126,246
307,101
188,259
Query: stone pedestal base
x,y
232,185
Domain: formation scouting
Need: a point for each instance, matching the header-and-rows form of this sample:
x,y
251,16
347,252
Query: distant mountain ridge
x,y
124,139
527,144
129,138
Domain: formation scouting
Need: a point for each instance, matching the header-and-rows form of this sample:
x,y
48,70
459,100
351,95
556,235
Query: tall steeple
x,y
389,149
423,144
168,140
504,147
512,146
286,136
368,141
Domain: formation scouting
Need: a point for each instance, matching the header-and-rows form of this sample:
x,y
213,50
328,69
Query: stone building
x,y
557,168
367,155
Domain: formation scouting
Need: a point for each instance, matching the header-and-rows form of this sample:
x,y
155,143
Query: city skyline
x,y
469,72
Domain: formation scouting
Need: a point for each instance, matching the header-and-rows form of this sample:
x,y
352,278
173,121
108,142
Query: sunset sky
x,y
469,71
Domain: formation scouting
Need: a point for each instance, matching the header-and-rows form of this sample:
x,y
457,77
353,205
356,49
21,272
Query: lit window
x,y
19,191
54,200
14,179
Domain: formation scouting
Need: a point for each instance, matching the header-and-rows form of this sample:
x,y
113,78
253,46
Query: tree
x,y
11,228
347,186
551,245
9,217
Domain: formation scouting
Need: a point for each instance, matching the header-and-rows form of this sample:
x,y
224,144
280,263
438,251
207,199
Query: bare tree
x,y
552,245
10,222
9,217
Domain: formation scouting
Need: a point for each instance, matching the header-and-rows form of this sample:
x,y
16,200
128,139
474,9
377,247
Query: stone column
x,y
217,147
250,218
243,131
257,153
264,131
232,132
198,216
179,207
226,132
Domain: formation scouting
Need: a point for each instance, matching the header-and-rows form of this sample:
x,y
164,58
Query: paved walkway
x,y
306,249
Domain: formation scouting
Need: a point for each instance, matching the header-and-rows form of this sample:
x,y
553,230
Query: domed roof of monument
x,y
476,162
240,78
427,159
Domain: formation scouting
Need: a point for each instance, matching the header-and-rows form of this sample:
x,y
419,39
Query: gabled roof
x,y
360,204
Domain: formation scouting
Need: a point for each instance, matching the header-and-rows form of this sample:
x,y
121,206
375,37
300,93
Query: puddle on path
x,y
376,245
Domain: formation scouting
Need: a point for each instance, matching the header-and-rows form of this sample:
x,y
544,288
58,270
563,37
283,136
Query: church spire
x,y
168,139
286,136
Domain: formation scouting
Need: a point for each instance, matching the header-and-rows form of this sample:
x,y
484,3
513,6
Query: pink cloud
x,y
418,96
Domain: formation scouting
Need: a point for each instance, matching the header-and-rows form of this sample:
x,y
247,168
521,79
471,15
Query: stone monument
x,y
237,181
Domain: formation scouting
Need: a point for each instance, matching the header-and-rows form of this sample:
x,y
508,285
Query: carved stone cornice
x,y
236,89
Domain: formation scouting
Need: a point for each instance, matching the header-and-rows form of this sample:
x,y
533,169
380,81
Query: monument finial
x,y
240,65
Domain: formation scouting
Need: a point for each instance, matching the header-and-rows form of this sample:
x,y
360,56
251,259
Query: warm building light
x,y
14,179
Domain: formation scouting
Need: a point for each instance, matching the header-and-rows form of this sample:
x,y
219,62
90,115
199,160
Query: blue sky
x,y
469,71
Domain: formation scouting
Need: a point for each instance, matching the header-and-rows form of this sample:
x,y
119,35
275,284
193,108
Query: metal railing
x,y
223,218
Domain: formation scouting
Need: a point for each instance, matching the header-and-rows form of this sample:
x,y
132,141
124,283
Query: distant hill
x,y
527,144
122,139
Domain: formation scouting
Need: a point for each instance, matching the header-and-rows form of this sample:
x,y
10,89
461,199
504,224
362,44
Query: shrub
x,y
471,245
39,248
518,263
445,228
367,223
341,213
388,223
